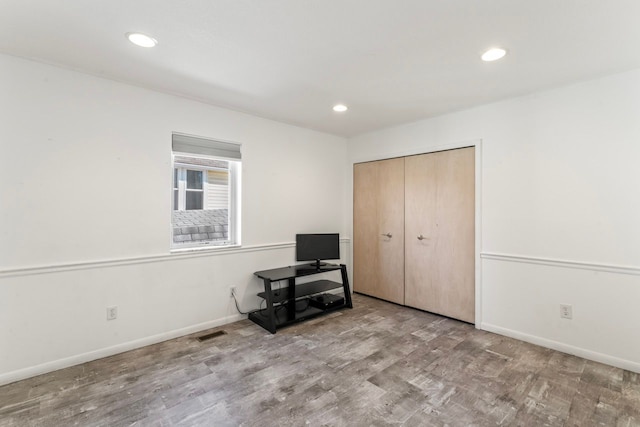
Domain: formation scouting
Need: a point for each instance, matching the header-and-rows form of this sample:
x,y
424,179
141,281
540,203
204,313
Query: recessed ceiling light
x,y
340,108
141,40
493,54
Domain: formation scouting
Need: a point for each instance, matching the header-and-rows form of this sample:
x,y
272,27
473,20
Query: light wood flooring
x,y
378,364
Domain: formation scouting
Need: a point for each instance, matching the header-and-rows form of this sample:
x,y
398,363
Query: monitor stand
x,y
317,264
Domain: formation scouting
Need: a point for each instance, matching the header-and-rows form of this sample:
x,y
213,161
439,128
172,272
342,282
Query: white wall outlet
x,y
112,312
232,291
566,311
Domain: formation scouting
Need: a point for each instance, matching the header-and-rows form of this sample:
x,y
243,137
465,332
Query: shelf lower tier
x,y
284,316
302,290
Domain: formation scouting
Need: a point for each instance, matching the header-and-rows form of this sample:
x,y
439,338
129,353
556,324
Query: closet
x,y
414,231
378,205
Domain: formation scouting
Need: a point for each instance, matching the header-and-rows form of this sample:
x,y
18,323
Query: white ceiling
x,y
390,61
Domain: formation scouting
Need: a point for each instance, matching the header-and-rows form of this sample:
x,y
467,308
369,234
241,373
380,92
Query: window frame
x,y
234,217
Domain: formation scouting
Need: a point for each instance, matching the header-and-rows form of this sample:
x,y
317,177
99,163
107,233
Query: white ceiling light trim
x,y
340,108
141,40
493,54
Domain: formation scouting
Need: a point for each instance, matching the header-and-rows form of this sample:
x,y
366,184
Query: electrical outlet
x,y
232,291
566,311
112,312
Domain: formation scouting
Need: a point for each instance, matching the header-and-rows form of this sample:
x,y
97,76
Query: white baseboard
x,y
565,348
44,368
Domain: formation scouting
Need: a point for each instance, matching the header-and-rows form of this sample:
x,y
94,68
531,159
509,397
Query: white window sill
x,y
200,248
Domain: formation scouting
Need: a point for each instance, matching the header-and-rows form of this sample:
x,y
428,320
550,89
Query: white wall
x,y
84,223
560,209
85,215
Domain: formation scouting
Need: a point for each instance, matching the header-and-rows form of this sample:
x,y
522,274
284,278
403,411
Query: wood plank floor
x,y
378,364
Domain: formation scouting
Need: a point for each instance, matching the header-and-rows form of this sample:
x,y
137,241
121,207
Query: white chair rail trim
x,y
554,262
175,256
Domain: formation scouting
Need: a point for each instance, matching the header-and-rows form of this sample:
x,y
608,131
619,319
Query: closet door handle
x,y
421,237
389,235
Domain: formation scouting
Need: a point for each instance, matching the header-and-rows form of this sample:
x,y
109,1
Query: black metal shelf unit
x,y
285,306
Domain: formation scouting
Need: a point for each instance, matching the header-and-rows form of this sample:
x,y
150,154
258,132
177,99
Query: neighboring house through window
x,y
206,190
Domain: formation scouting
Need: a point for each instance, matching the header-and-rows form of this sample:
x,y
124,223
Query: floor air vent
x,y
211,336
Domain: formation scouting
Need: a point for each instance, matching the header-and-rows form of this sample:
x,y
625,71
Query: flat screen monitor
x,y
317,247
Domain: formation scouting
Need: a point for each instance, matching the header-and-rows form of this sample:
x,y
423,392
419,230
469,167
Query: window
x,y
206,192
188,185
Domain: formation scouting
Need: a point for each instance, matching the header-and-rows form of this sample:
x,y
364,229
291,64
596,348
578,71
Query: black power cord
x,y
276,292
233,295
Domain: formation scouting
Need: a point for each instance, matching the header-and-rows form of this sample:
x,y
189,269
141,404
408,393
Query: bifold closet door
x,y
378,229
439,233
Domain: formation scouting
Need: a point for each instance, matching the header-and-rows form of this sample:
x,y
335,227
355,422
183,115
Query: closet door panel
x,y
378,211
365,227
439,233
455,224
421,285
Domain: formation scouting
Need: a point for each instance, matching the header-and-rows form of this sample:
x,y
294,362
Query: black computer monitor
x,y
317,247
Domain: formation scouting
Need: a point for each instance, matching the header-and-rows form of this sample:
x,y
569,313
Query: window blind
x,y
208,147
